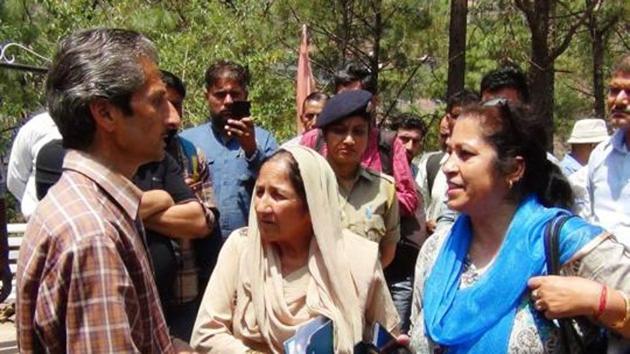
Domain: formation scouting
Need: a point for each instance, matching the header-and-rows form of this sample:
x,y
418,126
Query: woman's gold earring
x,y
511,184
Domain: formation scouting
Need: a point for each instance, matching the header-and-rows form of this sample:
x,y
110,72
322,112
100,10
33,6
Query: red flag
x,y
305,80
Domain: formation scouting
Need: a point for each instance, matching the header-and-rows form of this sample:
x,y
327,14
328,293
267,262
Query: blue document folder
x,y
313,337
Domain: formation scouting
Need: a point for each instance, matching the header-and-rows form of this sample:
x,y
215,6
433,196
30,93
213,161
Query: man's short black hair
x,y
461,99
410,121
173,81
227,69
507,76
352,72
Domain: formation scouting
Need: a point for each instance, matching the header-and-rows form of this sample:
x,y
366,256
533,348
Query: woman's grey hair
x,y
97,63
295,176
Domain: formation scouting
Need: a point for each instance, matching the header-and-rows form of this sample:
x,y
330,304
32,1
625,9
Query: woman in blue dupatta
x,y
471,289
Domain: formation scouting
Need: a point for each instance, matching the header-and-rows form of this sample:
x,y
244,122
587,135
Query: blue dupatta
x,y
479,318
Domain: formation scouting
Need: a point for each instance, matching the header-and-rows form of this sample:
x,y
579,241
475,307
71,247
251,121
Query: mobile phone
x,y
381,337
385,342
240,109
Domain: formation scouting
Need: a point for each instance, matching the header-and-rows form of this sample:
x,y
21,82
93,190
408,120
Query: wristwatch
x,y
254,155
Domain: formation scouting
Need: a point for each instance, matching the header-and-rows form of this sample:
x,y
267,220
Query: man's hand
x,y
403,340
244,132
430,225
182,347
153,202
195,185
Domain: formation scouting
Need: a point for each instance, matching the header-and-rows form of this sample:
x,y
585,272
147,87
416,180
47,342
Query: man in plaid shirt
x,y
197,257
84,280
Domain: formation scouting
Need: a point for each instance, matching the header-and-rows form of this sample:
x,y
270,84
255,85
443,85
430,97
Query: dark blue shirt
x,y
414,169
233,174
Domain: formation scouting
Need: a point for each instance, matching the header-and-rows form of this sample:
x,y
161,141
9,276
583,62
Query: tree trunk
x,y
345,30
598,48
457,47
542,92
544,33
378,32
541,69
598,29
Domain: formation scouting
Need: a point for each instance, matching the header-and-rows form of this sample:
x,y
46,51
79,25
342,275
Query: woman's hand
x,y
560,297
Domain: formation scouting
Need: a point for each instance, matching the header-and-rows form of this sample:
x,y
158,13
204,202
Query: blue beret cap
x,y
344,104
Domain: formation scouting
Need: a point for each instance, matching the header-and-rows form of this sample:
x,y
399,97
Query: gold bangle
x,y
622,323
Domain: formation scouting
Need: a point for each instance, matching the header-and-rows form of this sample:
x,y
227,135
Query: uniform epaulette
x,y
382,175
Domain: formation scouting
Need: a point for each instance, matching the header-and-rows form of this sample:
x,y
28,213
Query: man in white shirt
x,y
427,179
37,132
430,178
586,134
608,183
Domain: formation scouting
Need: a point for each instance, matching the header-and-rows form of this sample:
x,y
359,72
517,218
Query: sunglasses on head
x,y
494,102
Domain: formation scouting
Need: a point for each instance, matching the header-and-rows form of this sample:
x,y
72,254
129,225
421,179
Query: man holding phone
x,y
234,146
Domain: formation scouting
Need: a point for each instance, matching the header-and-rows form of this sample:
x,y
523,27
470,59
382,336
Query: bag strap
x,y
552,257
552,244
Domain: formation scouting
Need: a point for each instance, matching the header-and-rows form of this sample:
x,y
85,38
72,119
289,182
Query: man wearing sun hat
x,y
586,134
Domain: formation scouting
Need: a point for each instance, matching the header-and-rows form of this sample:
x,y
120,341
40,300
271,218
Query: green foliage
x,y
189,35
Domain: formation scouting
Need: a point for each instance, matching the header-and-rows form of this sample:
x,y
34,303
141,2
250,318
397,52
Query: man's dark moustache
x,y
170,134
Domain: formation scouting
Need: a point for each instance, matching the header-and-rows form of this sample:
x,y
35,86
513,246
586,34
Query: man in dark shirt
x,y
169,210
195,258
6,275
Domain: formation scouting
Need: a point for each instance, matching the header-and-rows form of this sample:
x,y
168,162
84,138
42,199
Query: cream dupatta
x,y
261,309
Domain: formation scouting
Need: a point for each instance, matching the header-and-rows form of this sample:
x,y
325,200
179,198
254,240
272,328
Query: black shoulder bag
x,y
570,339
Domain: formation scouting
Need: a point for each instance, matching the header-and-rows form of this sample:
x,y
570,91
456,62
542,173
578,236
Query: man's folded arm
x,y
186,220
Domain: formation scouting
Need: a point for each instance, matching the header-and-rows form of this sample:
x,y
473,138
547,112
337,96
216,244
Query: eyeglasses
x,y
504,106
505,109
496,102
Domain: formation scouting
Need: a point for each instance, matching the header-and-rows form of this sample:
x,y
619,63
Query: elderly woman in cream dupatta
x,y
254,304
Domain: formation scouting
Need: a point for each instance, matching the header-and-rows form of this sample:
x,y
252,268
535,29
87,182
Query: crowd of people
x,y
144,238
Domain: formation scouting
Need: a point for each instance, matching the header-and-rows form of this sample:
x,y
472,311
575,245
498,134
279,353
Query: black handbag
x,y
571,341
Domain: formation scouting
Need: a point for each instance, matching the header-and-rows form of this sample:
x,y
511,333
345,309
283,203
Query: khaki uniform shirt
x,y
370,207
